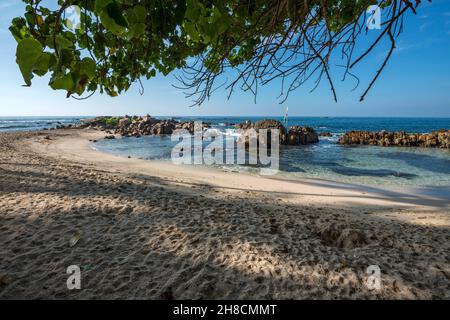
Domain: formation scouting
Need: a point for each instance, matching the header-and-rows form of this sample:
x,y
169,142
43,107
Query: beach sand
x,y
154,230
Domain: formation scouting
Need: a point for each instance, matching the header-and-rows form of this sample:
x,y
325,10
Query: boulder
x,y
124,122
164,127
244,125
190,126
269,124
295,136
302,135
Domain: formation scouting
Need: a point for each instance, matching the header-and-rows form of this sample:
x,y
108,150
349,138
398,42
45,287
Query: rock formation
x,y
136,126
440,139
302,135
295,136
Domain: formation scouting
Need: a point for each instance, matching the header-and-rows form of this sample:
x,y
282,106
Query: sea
x,y
367,165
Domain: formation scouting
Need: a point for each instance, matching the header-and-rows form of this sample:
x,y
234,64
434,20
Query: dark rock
x,y
295,136
164,127
248,129
383,138
302,135
124,122
268,124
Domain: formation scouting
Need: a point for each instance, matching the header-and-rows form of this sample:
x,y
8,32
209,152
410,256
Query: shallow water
x,y
369,165
361,164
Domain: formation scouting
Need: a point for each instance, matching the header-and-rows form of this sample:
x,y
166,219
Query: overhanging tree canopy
x,y
119,41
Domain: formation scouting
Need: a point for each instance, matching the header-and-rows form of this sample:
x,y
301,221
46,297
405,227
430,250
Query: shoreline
x,y
75,145
151,230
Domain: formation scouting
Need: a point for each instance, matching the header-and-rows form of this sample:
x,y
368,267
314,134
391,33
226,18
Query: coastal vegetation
x,y
112,121
116,43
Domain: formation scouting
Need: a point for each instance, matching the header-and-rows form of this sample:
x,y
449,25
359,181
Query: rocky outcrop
x,y
438,139
136,126
302,135
99,123
249,128
295,136
244,125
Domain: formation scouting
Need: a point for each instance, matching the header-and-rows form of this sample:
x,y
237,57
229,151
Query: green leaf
x,y
61,42
110,24
27,54
63,82
192,10
137,30
101,4
66,56
43,63
191,31
88,67
16,33
116,14
141,13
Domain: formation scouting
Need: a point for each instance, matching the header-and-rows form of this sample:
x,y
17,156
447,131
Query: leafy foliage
x,y
112,121
120,41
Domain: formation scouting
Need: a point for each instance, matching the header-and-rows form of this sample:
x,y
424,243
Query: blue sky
x,y
416,83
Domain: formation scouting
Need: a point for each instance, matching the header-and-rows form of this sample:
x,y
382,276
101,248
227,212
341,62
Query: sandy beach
x,y
154,230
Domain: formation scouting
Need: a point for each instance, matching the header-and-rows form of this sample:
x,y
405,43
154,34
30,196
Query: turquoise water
x,y
326,160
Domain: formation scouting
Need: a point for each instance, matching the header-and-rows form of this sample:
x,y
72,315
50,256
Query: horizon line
x,y
225,116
